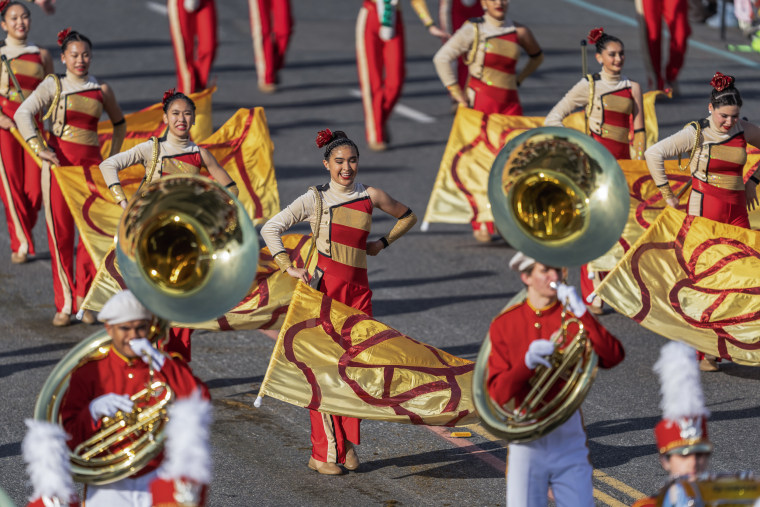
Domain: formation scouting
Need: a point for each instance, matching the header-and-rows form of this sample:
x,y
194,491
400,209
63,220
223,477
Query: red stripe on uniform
x,y
343,271
351,236
364,204
500,62
617,119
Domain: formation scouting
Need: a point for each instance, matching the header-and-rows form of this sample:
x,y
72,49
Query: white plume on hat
x,y
47,460
187,449
123,307
521,262
680,384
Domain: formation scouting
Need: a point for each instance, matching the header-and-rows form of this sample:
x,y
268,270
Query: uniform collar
x,y
606,76
14,43
341,190
177,141
123,358
544,310
76,79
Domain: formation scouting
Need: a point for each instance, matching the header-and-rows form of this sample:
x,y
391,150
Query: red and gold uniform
x,y
716,168
271,28
74,138
380,61
562,454
193,64
676,14
19,174
341,245
452,15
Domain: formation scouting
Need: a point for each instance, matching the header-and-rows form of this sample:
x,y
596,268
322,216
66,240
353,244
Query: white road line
x,y
402,110
156,7
693,43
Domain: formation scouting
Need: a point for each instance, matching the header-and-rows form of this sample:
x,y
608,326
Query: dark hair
x,y
605,39
73,36
726,96
339,138
11,4
171,97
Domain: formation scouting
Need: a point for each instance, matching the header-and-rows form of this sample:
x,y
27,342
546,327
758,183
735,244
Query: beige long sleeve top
x,y
13,49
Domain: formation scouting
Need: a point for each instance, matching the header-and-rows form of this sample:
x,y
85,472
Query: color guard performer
x,y
19,173
271,28
452,14
190,20
380,61
103,386
520,341
681,435
614,107
676,14
340,215
717,147
74,102
175,153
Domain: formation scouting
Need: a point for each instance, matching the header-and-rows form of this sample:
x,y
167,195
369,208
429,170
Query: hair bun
x,y
63,34
595,34
721,81
324,137
167,95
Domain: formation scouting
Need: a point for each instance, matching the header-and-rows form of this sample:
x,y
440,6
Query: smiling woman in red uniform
x,y
340,215
75,102
19,174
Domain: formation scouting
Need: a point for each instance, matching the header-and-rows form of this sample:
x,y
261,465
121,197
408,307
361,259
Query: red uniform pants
x,y
271,28
675,13
381,70
20,191
721,205
193,67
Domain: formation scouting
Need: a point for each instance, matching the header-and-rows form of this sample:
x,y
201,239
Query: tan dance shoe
x,y
708,363
381,146
325,468
352,460
61,319
88,317
18,258
482,235
267,87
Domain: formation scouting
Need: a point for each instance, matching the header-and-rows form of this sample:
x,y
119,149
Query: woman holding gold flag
x,y
74,102
19,173
340,215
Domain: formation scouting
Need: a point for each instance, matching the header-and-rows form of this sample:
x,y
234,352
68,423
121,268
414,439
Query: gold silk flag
x,y
264,307
338,360
693,280
242,146
148,122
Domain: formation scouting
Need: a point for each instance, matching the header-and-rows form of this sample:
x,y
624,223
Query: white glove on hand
x,y
568,296
537,353
191,5
142,347
109,404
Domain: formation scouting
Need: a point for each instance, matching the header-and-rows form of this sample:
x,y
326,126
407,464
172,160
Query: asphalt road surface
x,y
439,287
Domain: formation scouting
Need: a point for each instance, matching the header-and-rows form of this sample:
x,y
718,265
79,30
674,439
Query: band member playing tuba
x,y
520,341
102,387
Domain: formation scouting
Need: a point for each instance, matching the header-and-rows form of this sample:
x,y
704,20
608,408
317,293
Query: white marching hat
x,y
123,307
521,262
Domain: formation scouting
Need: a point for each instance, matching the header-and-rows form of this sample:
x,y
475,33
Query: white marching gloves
x,y
537,352
191,5
568,296
143,348
109,404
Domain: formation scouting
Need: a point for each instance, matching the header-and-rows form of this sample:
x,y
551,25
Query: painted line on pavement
x,y
401,110
156,7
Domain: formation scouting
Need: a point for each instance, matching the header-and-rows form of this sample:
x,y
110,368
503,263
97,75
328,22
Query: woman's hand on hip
x,y
374,247
299,274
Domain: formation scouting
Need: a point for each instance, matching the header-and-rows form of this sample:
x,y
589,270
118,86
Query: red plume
x,y
324,137
4,4
720,81
63,34
167,95
595,34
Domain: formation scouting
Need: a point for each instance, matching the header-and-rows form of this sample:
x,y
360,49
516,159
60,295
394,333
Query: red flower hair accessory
x,y
62,35
324,137
595,34
720,81
167,95
4,4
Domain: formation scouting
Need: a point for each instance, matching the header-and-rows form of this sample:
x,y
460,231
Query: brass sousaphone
x,y
188,251
560,197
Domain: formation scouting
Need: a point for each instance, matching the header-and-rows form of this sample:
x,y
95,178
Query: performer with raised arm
x,y
340,215
175,153
191,21
74,103
19,173
381,62
102,386
271,28
520,341
717,148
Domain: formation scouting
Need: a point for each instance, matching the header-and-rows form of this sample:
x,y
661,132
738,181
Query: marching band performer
x,y
491,45
340,215
103,386
681,435
175,153
74,102
520,341
19,174
271,28
614,107
717,154
190,20
676,14
452,15
380,61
